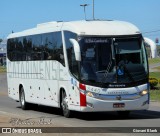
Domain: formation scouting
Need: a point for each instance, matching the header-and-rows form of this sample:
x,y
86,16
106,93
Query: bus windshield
x,y
112,60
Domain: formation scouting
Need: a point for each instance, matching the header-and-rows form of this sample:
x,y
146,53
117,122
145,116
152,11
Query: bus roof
x,y
94,27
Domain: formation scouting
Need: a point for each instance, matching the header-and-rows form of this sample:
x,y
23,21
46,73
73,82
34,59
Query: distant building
x,y
3,51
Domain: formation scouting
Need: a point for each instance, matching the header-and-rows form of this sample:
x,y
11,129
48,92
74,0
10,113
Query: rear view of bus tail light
x,y
82,88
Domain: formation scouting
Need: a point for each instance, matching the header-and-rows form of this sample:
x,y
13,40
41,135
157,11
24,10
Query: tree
x,y
1,40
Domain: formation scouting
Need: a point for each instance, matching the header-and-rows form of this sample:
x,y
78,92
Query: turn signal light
x,y
82,86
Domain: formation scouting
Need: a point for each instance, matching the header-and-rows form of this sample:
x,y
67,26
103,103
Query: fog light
x,y
89,94
144,92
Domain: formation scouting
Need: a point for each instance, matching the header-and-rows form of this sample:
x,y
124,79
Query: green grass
x,y
2,69
153,61
155,95
155,74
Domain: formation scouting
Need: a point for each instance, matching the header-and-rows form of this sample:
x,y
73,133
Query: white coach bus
x,y
86,66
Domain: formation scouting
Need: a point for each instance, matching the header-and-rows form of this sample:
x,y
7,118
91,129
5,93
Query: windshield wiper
x,y
112,57
106,71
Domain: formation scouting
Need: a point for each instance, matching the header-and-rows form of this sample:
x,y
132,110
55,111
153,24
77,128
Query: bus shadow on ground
x,y
44,109
114,115
95,116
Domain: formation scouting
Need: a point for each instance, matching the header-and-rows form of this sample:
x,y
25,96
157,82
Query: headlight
x,y
90,94
144,92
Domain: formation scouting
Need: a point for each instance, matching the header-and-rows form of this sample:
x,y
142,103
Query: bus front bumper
x,y
98,105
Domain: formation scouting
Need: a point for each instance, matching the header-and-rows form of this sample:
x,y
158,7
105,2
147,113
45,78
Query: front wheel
x,y
64,105
23,103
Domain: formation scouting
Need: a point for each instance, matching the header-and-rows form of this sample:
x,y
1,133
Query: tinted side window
x,y
36,52
58,47
36,47
24,40
52,47
10,49
73,64
28,47
47,46
20,53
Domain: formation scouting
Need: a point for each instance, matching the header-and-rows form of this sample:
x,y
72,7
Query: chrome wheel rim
x,y
22,98
65,103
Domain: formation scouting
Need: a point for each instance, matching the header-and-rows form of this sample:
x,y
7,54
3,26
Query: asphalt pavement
x,y
153,66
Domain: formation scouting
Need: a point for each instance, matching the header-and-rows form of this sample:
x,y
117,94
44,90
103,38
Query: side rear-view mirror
x,y
77,50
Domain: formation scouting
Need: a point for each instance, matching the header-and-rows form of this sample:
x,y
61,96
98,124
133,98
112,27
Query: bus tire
x,y
64,105
123,114
23,103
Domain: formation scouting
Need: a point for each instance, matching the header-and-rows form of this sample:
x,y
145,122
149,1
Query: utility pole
x,y
93,11
84,5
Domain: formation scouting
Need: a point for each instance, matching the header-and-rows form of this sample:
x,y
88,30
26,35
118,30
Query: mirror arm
x,y
113,49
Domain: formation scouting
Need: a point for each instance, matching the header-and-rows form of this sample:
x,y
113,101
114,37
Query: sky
x,y
18,15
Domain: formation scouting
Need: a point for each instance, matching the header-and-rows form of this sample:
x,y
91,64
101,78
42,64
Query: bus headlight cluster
x,y
90,94
144,92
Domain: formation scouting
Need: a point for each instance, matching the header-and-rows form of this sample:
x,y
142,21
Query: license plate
x,y
118,105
